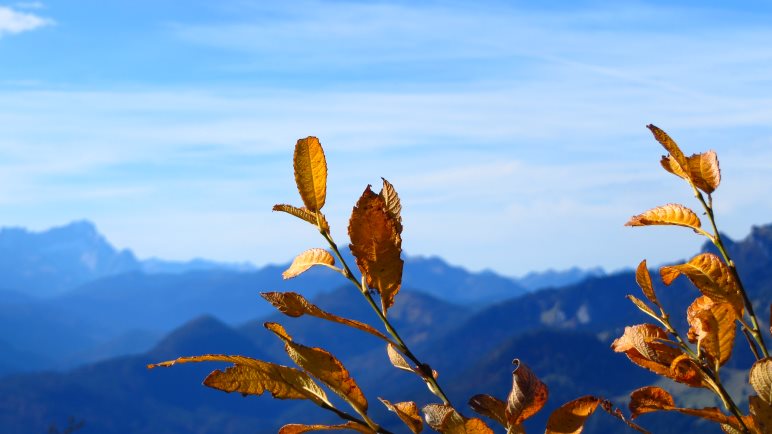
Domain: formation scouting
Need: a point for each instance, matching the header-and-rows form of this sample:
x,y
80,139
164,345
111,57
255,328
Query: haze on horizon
x,y
514,133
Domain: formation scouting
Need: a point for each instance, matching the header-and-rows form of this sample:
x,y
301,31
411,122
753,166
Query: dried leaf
x,y
295,305
527,396
761,412
671,214
704,171
649,399
643,278
323,366
311,173
300,429
308,259
397,360
670,146
712,326
304,214
446,420
377,245
408,413
392,203
491,407
253,377
711,276
570,417
761,379
669,163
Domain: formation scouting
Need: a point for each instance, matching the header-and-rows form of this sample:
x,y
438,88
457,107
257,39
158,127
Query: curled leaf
x,y
649,399
712,327
308,259
315,218
571,416
670,214
300,429
491,407
761,379
408,413
527,396
704,171
310,173
711,276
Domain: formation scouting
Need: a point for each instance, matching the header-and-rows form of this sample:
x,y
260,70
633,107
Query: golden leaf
x,y
253,377
681,166
711,276
304,214
300,429
308,259
761,379
761,412
490,407
712,326
392,203
295,305
408,413
670,214
310,173
649,399
643,278
570,417
704,171
376,245
446,420
397,360
527,396
325,367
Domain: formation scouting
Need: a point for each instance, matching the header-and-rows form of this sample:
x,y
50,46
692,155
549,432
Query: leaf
x,y
678,157
649,399
712,326
392,203
325,367
304,214
670,214
711,276
491,407
643,278
408,413
570,417
310,173
704,171
527,396
377,245
300,429
643,307
761,412
253,377
308,259
446,420
761,379
397,360
295,305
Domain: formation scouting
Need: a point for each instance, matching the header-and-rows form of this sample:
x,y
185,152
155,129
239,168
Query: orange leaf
x,y
643,278
712,326
681,166
670,214
570,417
300,429
397,360
649,399
392,203
491,407
305,214
704,171
325,367
308,259
711,276
377,245
527,396
761,379
310,173
446,420
408,413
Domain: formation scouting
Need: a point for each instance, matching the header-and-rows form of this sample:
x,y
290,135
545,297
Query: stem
x,y
733,269
350,418
426,372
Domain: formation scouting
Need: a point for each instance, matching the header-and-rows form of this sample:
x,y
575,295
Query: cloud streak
x,y
13,22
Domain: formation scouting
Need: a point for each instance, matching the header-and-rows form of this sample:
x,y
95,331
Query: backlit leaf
x,y
397,360
300,429
310,173
254,377
704,171
649,399
444,419
643,278
670,214
571,416
711,276
377,245
323,366
392,203
408,413
527,396
308,259
304,214
681,164
712,327
761,412
491,407
295,305
669,163
761,379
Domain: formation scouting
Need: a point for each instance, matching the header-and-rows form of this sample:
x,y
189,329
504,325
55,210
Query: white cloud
x,y
13,22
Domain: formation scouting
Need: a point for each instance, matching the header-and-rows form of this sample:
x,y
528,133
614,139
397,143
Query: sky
x,y
514,132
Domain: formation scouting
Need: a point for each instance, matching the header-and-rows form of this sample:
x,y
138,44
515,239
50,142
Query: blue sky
x,y
514,133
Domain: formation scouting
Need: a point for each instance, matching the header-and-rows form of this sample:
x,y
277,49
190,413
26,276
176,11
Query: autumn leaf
x,y
761,379
571,416
671,214
649,399
300,429
397,360
491,407
376,246
308,259
711,276
295,305
310,173
408,413
305,214
712,327
527,396
761,412
704,171
392,203
253,377
643,307
643,278
444,419
681,166
323,366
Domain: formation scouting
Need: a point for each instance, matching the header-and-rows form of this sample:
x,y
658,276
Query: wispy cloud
x,y
13,21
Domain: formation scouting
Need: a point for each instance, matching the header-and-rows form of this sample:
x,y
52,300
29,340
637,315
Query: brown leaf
x,y
704,171
670,146
649,399
305,214
408,413
392,203
311,173
761,379
491,407
295,305
643,278
570,417
397,360
300,429
446,420
712,326
308,259
671,214
325,367
377,245
761,412
527,396
253,377
711,276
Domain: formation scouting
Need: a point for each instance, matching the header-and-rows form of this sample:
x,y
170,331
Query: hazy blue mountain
x,y
156,265
556,278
